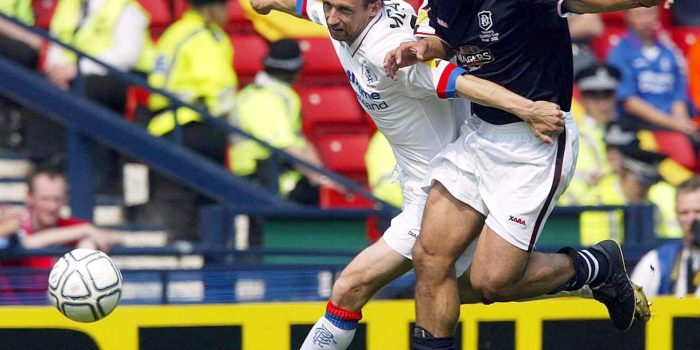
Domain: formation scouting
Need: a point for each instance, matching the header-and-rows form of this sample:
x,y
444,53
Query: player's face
x,y
688,210
642,20
347,18
46,200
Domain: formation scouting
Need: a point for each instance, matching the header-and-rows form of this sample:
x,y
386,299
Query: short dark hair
x,y
51,173
690,185
367,2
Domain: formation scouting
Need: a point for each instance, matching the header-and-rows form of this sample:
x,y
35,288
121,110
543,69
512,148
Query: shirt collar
x,y
360,38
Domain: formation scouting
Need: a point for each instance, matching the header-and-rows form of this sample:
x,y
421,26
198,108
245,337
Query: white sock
x,y
324,335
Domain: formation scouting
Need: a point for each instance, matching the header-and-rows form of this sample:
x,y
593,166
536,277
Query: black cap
x,y
644,165
284,55
598,77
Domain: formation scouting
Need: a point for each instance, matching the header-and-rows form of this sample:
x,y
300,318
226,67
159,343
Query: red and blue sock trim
x,y
341,318
448,80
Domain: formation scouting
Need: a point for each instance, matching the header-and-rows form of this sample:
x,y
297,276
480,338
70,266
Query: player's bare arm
x,y
600,6
264,7
409,53
544,118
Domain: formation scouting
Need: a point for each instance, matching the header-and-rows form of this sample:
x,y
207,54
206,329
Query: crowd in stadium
x,y
636,104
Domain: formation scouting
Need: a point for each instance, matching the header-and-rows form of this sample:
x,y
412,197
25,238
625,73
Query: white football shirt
x,y
412,112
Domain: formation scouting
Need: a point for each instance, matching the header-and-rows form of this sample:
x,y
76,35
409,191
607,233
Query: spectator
x,y
113,31
41,225
195,62
17,43
637,180
674,267
382,175
583,28
597,84
270,110
652,92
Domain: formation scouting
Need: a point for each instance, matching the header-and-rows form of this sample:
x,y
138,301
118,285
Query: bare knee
x,y
351,291
492,286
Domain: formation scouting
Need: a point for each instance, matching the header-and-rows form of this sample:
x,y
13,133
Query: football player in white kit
x,y
418,122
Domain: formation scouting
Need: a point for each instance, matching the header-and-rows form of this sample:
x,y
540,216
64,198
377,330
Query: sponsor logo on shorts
x,y
413,234
517,220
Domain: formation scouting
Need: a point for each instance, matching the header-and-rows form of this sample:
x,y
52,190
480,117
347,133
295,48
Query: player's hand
x,y
261,6
652,3
407,54
546,120
10,221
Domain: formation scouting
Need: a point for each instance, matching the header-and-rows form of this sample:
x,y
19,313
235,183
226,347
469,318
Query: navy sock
x,y
423,340
591,266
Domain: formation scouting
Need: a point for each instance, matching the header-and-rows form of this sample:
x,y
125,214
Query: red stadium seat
x,y
344,154
43,12
238,22
610,37
678,147
685,37
613,19
321,63
160,15
180,6
250,50
331,109
136,97
331,198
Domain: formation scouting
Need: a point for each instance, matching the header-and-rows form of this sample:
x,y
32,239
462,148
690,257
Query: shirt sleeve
x,y
627,86
554,5
436,77
681,83
311,10
128,39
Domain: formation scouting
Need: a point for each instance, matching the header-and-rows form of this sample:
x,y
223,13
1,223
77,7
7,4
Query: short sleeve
x,y
547,5
437,76
311,10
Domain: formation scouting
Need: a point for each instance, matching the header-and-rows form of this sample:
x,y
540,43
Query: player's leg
x,y
448,227
369,271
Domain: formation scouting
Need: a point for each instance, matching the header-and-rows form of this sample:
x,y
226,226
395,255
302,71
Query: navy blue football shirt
x,y
523,45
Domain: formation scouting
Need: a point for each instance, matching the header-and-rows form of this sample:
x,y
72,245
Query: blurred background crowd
x,y
637,92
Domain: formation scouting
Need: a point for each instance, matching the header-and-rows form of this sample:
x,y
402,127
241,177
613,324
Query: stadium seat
x,y
321,65
43,12
613,19
160,14
332,198
331,109
678,147
136,97
685,37
610,37
238,22
344,154
250,50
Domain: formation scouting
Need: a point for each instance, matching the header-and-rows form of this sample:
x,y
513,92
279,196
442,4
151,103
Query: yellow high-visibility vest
x,y
381,163
19,9
95,35
195,62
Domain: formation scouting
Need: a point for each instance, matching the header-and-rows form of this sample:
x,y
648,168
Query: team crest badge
x,y
485,21
369,75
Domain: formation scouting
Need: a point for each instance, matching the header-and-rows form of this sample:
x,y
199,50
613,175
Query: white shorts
x,y
404,229
508,175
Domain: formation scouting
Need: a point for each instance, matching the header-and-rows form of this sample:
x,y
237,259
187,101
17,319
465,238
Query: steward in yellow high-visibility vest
x,y
270,110
381,165
17,43
112,31
195,63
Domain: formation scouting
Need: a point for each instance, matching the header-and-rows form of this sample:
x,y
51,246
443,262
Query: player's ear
x,y
374,6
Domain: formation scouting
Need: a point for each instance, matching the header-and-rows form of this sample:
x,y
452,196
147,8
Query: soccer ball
x,y
85,285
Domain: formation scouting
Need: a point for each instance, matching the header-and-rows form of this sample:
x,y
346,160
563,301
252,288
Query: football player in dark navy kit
x,y
495,177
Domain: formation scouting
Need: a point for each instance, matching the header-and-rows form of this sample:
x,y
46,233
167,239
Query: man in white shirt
x,y
417,122
674,267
